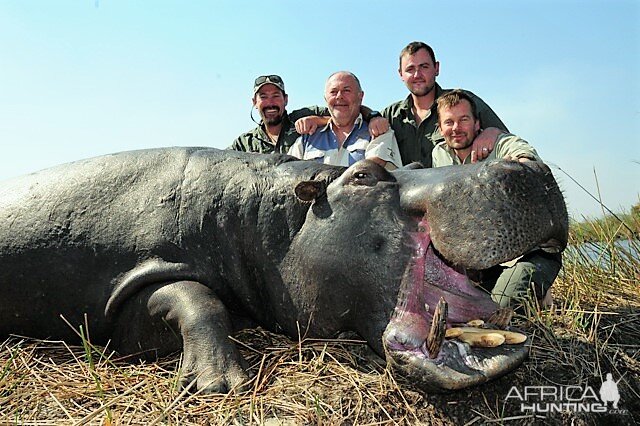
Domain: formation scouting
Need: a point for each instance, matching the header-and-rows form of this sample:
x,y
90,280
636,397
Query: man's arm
x,y
238,144
307,124
492,127
484,143
384,151
378,125
308,111
515,148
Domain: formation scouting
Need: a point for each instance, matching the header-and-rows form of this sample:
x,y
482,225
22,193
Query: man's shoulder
x,y
394,109
246,141
467,91
441,155
251,133
441,145
441,148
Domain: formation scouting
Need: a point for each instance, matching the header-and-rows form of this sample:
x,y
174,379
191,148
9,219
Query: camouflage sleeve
x,y
238,144
309,111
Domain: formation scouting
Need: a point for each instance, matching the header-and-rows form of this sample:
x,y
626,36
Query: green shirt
x,y
507,145
417,142
257,140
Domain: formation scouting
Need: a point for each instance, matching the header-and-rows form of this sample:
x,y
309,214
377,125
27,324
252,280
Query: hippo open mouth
x,y
435,296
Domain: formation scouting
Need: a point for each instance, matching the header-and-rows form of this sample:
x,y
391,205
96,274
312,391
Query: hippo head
x,y
391,245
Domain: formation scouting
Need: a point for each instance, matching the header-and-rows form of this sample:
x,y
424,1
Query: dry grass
x,y
593,329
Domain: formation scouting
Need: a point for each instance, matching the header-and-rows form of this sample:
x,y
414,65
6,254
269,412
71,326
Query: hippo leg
x,y
164,318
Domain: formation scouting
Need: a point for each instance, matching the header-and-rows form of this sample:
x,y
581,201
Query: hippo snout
x,y
487,213
466,218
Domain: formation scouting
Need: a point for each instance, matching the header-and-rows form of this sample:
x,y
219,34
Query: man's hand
x,y
377,126
483,143
308,125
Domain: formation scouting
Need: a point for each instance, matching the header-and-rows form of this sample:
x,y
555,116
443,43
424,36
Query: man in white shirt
x,y
346,139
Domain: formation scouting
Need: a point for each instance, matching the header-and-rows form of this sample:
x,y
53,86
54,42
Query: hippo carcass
x,y
164,249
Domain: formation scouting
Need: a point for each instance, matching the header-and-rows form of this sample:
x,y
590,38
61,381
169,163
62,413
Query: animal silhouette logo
x,y
609,391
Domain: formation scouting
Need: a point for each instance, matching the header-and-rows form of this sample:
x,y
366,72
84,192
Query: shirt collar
x,y
356,125
407,104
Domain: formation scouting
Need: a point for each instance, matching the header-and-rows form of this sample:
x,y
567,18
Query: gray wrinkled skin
x,y
173,249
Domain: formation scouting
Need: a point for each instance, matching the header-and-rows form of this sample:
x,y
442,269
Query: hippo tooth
x,y
477,334
438,329
484,339
475,323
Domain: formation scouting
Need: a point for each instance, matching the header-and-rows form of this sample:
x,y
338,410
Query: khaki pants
x,y
530,277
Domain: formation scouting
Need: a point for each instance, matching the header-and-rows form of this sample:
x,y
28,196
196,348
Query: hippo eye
x,y
364,178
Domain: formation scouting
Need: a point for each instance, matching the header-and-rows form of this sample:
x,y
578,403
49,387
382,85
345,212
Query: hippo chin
x,y
168,249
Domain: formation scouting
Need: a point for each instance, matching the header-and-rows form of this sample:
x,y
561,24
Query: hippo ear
x,y
310,190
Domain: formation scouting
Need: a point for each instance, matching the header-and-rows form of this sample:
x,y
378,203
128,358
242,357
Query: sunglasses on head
x,y
268,79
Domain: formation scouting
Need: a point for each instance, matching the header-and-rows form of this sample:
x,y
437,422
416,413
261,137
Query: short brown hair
x,y
453,98
413,47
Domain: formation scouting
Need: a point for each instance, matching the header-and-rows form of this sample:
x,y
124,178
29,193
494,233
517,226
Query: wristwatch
x,y
374,114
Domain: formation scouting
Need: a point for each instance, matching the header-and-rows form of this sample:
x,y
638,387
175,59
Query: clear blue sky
x,y
80,78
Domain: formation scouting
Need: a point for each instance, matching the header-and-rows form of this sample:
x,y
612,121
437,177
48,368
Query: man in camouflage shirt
x,y
276,131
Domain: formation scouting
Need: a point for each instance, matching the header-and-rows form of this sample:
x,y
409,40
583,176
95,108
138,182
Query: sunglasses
x,y
268,79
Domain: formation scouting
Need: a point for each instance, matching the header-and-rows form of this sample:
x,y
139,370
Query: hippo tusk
x,y
436,335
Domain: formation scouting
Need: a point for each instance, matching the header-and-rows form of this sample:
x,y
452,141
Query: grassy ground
x,y
593,329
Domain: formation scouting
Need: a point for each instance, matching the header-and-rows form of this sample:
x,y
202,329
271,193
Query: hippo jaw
x,y
451,365
478,216
412,195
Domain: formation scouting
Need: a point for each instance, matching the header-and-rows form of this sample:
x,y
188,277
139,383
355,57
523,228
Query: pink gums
x,y
426,280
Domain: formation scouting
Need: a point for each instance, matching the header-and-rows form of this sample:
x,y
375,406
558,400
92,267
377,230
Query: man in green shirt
x,y
533,273
414,119
459,125
276,131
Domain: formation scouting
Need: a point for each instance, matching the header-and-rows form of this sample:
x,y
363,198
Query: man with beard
x,y
459,125
414,119
346,139
533,273
276,131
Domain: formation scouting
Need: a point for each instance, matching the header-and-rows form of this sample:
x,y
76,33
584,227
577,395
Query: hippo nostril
x,y
378,244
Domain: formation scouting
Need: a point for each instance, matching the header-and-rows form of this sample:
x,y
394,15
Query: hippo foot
x,y
210,381
211,361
